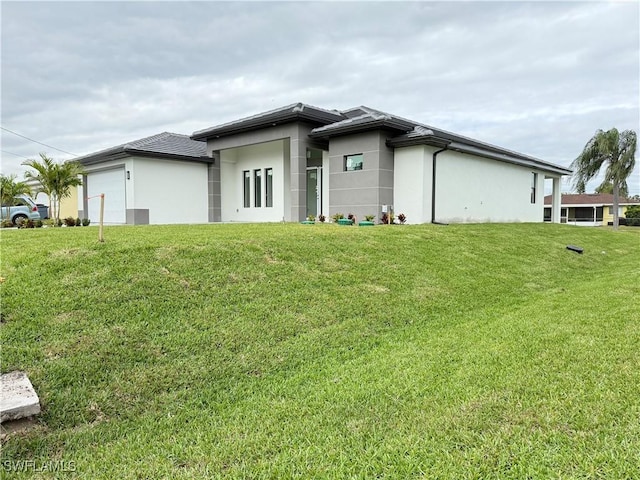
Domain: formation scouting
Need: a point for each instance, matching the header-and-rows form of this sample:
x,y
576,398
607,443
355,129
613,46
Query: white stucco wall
x,y
233,162
476,189
412,183
172,191
468,188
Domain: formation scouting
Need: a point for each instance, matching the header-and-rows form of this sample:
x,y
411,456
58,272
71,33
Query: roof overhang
x,y
133,152
507,157
362,124
291,113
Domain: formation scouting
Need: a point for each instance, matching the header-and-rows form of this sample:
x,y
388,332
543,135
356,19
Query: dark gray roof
x,y
289,113
407,132
416,133
163,145
363,118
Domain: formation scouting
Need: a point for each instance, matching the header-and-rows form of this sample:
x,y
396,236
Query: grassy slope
x,y
267,351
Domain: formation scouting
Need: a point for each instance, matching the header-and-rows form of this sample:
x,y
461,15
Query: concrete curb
x,y
18,399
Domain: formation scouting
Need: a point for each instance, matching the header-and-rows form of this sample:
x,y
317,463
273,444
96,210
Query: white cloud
x,y
539,78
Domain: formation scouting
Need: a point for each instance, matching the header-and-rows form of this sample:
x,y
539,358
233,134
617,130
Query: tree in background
x,y
9,189
608,188
55,180
615,150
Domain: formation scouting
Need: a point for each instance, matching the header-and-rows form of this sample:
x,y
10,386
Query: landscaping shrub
x,y
387,219
337,216
6,223
28,223
322,218
38,223
402,218
632,215
70,222
85,222
78,222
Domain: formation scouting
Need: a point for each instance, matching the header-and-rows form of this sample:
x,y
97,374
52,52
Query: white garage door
x,y
111,183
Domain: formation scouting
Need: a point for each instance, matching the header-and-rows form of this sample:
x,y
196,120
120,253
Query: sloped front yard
x,y
281,351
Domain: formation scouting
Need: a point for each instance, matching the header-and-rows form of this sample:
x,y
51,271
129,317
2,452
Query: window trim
x,y
246,188
534,185
257,188
268,187
348,157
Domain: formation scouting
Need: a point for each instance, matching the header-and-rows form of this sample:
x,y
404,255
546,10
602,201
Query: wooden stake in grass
x,y
100,235
101,223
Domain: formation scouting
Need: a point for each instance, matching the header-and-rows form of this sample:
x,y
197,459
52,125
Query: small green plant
x,y
59,222
38,223
85,222
322,218
311,218
78,222
336,217
369,218
6,223
70,222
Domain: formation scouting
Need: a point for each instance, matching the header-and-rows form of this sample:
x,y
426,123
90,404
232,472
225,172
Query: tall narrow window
x,y
534,183
257,185
268,173
247,188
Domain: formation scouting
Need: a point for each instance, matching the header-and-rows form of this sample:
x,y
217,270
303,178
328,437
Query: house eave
x,y
132,152
512,159
374,124
308,114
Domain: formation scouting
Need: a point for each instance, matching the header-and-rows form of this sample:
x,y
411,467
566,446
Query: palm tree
x,y
615,150
55,180
9,189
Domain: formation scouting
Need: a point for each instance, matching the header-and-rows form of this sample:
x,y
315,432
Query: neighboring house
x,y
154,180
300,160
588,209
68,205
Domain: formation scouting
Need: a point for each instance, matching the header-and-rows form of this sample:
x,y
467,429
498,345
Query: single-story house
x,y
154,180
588,209
299,160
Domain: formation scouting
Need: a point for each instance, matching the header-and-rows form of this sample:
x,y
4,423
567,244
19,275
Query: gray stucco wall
x,y
296,136
361,192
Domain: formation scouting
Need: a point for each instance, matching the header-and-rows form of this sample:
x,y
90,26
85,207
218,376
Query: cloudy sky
x,y
536,77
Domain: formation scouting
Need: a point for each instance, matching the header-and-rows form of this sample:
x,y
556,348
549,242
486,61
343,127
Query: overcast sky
x,y
536,77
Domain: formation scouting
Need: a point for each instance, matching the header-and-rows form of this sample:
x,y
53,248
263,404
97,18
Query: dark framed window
x,y
246,189
257,186
534,184
353,162
268,187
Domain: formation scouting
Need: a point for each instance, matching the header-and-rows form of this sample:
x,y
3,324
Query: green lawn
x,y
295,351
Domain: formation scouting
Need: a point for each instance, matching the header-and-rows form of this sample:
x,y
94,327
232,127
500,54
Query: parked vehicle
x,y
22,208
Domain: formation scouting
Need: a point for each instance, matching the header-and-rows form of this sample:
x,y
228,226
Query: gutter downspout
x,y
433,187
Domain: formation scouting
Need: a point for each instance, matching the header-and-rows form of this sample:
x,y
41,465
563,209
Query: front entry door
x,y
314,191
